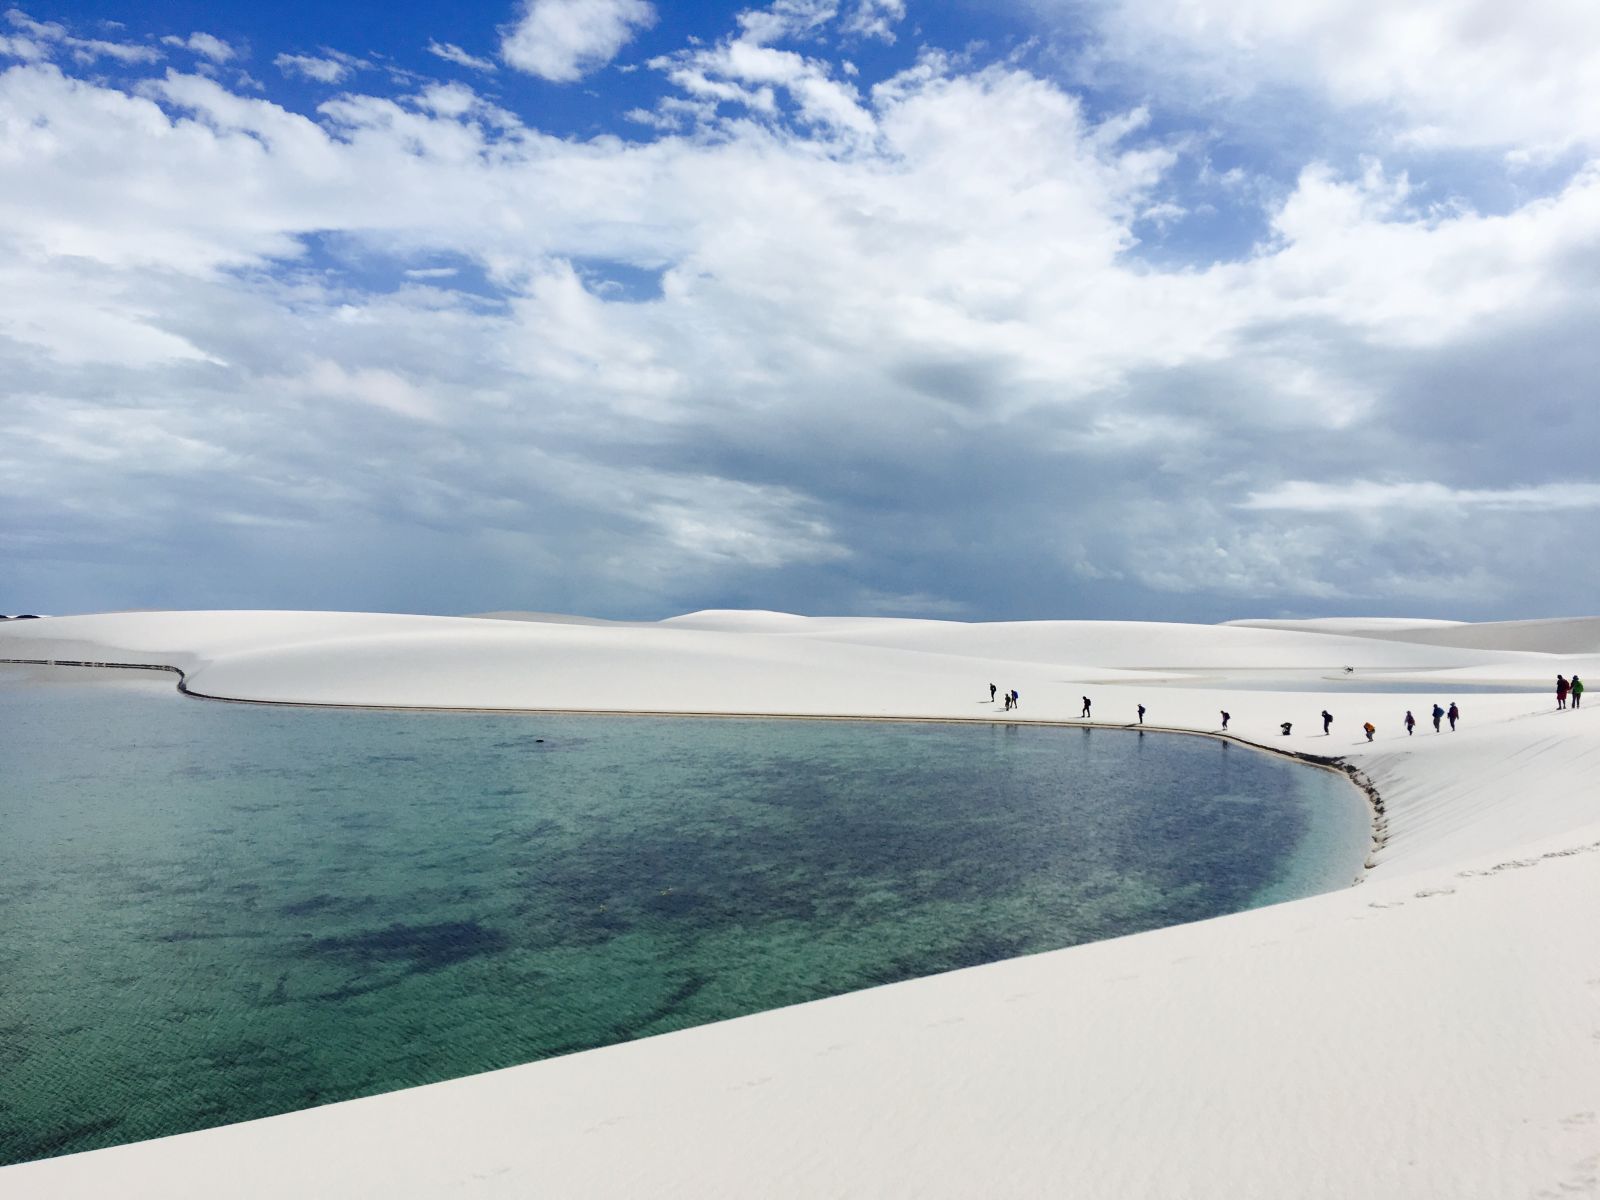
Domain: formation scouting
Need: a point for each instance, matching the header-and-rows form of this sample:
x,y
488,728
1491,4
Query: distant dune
x,y
1554,635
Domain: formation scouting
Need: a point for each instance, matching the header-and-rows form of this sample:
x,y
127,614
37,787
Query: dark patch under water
x,y
210,912
420,947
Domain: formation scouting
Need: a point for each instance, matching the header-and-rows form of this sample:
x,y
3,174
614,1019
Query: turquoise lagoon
x,y
214,912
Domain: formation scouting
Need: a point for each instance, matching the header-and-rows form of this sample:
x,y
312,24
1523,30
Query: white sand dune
x,y
1552,635
1434,1032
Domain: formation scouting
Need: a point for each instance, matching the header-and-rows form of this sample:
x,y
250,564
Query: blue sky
x,y
1072,308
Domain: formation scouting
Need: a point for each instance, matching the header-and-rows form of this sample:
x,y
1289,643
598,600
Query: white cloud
x,y
564,40
450,52
786,19
205,45
745,70
39,36
1354,251
1441,72
1366,495
875,19
87,50
728,521
27,49
330,69
376,386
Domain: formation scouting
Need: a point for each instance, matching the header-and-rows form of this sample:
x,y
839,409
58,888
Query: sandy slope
x,y
1554,635
1433,1032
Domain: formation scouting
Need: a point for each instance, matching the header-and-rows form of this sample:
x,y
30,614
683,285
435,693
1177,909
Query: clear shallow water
x,y
215,912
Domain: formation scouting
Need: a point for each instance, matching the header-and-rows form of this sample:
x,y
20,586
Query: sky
x,y
1151,309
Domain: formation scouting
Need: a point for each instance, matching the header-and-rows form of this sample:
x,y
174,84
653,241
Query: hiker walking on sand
x,y
991,693
1577,691
1371,729
1327,720
1016,698
1562,686
1141,714
1084,715
1437,714
1454,714
1008,701
1225,717
1411,723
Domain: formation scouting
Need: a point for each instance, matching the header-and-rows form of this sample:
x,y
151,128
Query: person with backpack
x,y
1327,720
1438,715
1084,715
1141,714
1454,714
1577,691
1371,729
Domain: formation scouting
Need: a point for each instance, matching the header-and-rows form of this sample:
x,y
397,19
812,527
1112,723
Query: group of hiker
x,y
1012,697
1440,713
1452,714
1565,688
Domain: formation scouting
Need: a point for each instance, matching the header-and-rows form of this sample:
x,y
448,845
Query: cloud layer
x,y
956,338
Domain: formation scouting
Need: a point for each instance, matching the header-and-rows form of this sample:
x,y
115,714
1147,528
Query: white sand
x,y
1432,1032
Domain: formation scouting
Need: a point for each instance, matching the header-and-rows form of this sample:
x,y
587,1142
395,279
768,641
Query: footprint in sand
x,y
1514,864
1571,850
